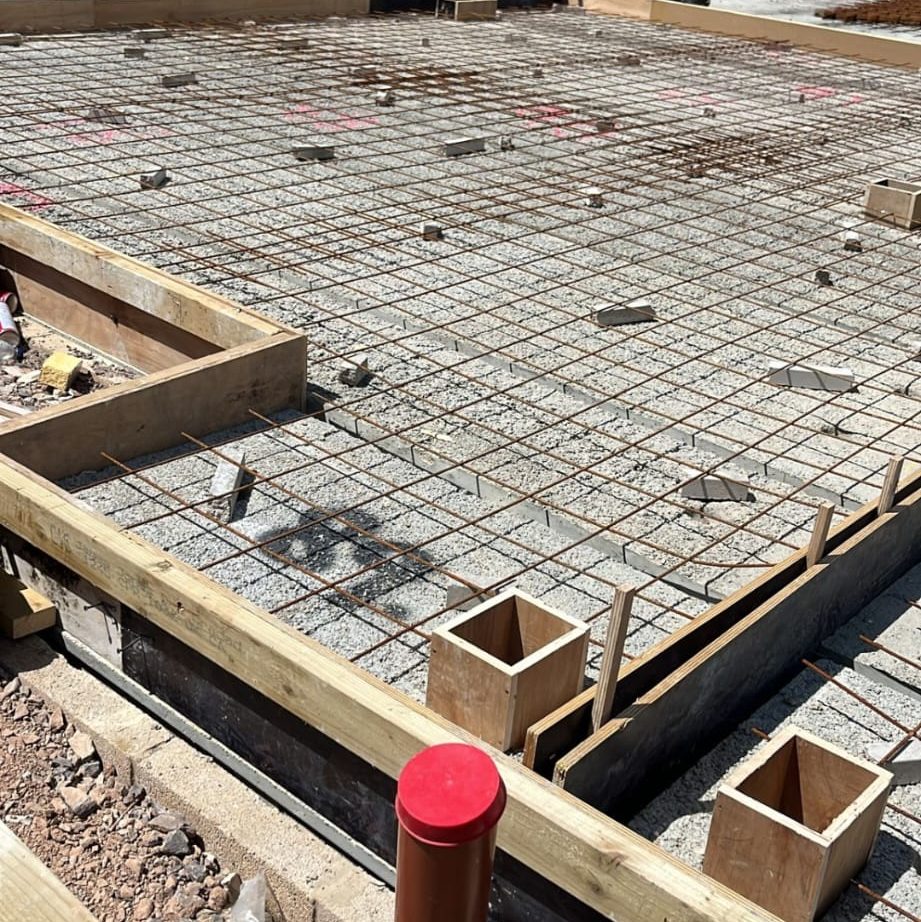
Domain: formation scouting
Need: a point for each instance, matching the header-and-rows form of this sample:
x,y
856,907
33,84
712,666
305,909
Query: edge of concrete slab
x,y
310,879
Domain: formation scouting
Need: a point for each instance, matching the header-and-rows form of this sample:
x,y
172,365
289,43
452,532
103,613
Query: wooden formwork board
x,y
660,733
59,15
609,868
563,734
846,43
29,891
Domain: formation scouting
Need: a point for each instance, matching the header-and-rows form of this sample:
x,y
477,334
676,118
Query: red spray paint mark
x,y
327,120
32,201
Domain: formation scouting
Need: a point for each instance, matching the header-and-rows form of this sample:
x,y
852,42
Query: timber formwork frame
x,y
209,363
250,363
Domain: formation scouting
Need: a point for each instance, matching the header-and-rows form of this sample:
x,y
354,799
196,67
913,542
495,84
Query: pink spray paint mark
x,y
816,92
32,200
854,99
329,120
103,135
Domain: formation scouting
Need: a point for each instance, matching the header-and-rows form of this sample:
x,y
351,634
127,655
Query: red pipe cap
x,y
449,794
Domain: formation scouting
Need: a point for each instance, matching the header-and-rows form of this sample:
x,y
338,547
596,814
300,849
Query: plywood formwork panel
x,y
665,728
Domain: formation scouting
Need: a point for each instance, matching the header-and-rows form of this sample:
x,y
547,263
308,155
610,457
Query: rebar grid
x,y
395,563
727,180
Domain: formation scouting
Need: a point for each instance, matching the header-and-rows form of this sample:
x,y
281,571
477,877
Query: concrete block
x,y
356,374
294,43
456,147
905,767
628,60
384,97
148,35
10,38
605,124
893,201
463,598
711,488
814,377
226,482
313,152
424,43
107,114
431,231
506,143
171,81
823,278
638,311
471,10
594,197
130,52
852,242
537,71
155,180
59,370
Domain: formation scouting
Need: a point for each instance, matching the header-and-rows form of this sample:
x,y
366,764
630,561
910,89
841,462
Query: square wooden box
x,y
505,664
793,825
893,201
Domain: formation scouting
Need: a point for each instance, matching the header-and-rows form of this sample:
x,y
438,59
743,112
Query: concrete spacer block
x,y
148,35
155,180
107,114
384,97
638,311
506,143
814,377
313,152
294,43
424,43
463,598
59,370
458,146
628,60
712,488
135,52
594,197
852,242
356,374
226,482
431,231
10,38
171,81
905,767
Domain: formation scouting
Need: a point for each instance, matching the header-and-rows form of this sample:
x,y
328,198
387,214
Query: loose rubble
x,y
20,383
127,858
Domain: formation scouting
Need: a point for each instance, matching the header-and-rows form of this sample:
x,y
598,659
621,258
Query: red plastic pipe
x,y
449,801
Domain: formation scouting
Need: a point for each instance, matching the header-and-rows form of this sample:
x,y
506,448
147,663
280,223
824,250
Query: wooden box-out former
x,y
793,824
503,665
